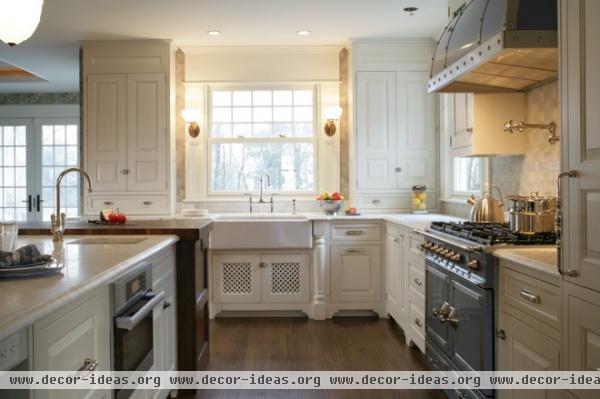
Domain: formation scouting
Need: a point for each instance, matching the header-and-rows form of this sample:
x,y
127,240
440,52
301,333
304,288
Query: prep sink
x,y
107,241
261,231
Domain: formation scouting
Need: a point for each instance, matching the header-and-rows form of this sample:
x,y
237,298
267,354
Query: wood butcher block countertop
x,y
185,229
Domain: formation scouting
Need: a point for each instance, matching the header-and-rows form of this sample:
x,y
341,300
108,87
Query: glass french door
x,y
33,152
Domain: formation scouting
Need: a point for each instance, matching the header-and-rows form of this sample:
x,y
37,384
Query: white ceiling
x,y
52,52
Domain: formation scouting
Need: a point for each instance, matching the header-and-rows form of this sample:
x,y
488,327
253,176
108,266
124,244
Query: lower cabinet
x,y
528,336
255,278
581,336
355,273
75,337
394,275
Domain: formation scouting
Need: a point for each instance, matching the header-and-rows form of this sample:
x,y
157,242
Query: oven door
x,y
134,335
472,326
437,302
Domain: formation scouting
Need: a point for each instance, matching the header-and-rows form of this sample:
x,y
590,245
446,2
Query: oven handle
x,y
129,322
468,248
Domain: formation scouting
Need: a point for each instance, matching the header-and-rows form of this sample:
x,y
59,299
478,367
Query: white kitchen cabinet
x,y
355,273
394,297
128,126
376,139
75,337
581,332
474,123
255,278
528,331
580,135
106,131
394,140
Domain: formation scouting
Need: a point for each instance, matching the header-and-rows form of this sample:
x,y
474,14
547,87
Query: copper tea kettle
x,y
486,209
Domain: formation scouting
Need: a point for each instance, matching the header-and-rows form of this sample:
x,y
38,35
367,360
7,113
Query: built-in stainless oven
x,y
133,327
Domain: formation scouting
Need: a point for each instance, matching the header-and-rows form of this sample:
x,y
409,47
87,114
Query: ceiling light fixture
x,y
304,32
19,19
410,10
214,32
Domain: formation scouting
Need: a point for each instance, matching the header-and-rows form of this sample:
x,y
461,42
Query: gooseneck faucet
x,y
261,199
57,220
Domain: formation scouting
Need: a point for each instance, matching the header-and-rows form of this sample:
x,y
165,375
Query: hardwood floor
x,y
299,344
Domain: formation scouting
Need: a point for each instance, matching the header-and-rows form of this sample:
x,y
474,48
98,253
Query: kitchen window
x,y
467,174
33,152
256,131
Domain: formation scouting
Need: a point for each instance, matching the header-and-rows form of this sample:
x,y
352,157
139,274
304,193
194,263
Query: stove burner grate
x,y
492,233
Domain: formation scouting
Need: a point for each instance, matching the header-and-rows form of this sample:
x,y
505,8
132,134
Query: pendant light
x,y
19,19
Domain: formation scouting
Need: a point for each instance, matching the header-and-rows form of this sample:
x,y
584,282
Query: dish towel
x,y
22,257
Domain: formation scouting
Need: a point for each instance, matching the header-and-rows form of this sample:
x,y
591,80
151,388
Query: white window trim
x,y
209,141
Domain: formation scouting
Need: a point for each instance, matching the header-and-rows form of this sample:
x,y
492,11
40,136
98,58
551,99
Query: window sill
x,y
455,200
245,199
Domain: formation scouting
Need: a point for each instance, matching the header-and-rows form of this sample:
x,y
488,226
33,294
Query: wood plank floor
x,y
298,344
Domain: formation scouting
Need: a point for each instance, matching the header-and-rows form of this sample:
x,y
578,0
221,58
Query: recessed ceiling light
x,y
214,32
410,10
304,32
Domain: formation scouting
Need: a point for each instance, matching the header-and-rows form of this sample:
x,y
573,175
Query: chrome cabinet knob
x,y
125,171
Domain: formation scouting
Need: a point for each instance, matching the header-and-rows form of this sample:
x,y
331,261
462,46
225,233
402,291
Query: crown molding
x,y
189,50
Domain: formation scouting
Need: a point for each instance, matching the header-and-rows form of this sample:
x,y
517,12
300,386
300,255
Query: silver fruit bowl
x,y
331,207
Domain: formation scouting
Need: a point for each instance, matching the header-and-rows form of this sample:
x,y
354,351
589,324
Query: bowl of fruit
x,y
331,203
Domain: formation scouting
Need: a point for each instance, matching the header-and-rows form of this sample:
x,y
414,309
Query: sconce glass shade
x,y
190,115
19,19
332,113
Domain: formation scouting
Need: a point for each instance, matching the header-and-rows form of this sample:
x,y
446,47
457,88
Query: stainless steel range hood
x,y
497,46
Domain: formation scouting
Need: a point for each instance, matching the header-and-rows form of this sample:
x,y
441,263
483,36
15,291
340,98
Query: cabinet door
x,y
393,266
462,132
416,131
376,131
105,127
236,278
355,273
285,278
581,132
581,337
146,132
526,349
64,340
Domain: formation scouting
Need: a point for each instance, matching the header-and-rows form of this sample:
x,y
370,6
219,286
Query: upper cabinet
x,y
128,117
394,126
474,123
580,131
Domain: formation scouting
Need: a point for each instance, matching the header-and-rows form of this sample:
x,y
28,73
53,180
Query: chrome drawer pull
x,y
419,322
354,232
418,282
108,203
355,251
147,202
530,297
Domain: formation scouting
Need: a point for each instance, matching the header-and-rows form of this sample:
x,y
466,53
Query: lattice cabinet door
x,y
236,278
285,278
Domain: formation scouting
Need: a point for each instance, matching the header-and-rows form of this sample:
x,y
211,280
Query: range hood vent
x,y
497,46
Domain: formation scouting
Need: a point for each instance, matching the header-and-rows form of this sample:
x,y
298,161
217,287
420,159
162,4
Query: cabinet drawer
x,y
414,245
356,232
417,318
416,277
148,204
531,296
163,268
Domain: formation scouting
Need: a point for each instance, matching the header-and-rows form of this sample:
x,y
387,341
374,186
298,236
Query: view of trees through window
x,y
467,175
256,132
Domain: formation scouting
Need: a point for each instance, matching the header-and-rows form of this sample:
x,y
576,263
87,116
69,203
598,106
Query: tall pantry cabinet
x,y
580,144
393,145
128,125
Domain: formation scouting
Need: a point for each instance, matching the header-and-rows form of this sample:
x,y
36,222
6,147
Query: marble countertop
x,y
542,258
86,267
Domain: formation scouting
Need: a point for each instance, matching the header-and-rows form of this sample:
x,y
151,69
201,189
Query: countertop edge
x,y
23,321
507,254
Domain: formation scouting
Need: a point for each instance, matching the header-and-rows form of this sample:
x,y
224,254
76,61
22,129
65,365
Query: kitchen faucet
x,y
261,199
57,220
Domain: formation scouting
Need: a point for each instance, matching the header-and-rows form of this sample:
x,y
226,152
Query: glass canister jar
x,y
419,199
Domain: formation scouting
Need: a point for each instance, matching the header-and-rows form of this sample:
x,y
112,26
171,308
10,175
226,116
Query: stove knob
x,y
456,257
473,264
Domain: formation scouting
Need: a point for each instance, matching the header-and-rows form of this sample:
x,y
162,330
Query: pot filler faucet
x,y
57,220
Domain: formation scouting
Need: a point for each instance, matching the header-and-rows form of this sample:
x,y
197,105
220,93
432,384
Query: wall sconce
x,y
192,117
332,114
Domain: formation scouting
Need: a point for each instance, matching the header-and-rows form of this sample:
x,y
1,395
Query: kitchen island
x,y
191,275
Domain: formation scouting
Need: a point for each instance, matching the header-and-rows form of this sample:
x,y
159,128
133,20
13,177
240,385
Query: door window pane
x,y
13,173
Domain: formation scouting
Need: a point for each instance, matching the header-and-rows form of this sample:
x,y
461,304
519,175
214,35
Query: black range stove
x,y
461,278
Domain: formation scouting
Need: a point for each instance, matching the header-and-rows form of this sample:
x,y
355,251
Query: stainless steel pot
x,y
533,214
486,209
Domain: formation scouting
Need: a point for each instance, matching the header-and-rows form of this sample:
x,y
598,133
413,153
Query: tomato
x,y
117,218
